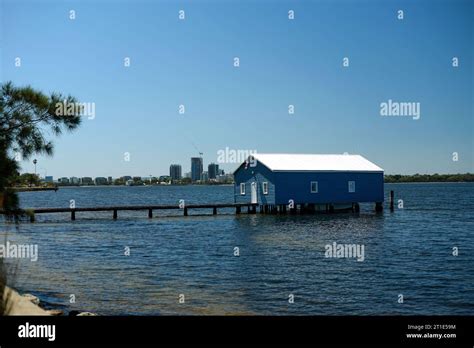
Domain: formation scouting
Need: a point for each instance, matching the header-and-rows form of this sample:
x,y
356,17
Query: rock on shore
x,y
22,305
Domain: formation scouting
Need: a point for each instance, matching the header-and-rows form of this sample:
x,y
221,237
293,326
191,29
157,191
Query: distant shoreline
x,y
31,189
426,178
35,189
428,182
388,179
173,185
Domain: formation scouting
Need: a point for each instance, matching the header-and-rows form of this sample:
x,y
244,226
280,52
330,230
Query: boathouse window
x,y
352,186
242,188
314,187
265,188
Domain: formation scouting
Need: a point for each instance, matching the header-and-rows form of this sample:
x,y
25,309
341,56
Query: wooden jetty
x,y
239,207
251,209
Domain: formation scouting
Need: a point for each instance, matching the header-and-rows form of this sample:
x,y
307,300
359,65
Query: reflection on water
x,y
408,252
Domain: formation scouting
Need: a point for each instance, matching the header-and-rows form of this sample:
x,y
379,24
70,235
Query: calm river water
x,y
408,252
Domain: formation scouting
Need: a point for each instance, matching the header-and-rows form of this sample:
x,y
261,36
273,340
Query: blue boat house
x,y
310,182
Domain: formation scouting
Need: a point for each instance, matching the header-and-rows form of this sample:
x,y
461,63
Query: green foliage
x,y
26,115
468,177
27,179
8,172
8,167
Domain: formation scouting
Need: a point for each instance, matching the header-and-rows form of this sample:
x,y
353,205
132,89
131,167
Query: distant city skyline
x,y
175,172
161,90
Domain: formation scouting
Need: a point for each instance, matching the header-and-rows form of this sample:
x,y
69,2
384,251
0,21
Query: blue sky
x,y
282,62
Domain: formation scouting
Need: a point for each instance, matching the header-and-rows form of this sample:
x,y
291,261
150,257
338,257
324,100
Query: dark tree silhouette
x,y
26,115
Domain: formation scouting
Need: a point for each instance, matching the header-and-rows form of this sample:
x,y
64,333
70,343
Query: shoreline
x,y
30,305
23,304
33,189
430,182
171,185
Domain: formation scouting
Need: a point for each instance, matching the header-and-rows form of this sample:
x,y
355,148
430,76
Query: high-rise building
x,y
100,180
63,181
48,179
87,180
213,170
175,172
196,168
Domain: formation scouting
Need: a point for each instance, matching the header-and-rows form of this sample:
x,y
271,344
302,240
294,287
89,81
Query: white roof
x,y
311,162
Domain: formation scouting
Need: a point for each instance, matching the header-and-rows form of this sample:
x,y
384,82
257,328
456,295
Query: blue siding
x,y
258,174
332,186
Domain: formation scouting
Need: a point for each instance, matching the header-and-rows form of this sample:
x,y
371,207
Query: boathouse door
x,y
253,193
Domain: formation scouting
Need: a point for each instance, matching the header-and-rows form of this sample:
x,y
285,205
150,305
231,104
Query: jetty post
x,y
391,200
378,207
